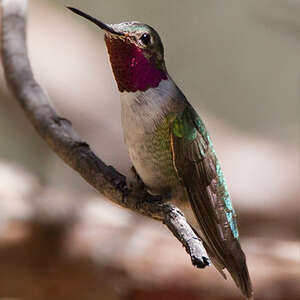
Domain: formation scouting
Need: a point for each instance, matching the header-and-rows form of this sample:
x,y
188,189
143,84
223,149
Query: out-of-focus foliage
x,y
238,63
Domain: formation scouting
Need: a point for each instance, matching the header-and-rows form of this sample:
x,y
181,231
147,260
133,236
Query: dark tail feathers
x,y
236,265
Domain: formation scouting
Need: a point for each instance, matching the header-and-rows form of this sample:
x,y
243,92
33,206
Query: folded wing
x,y
201,176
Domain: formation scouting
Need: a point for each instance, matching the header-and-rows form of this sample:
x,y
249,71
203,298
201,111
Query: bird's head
x,y
136,54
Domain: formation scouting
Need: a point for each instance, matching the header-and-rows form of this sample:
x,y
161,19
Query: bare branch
x,y
66,143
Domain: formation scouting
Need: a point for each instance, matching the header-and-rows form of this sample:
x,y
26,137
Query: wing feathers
x,y
198,169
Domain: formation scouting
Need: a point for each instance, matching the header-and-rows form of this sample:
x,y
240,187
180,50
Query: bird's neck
x,y
154,101
132,70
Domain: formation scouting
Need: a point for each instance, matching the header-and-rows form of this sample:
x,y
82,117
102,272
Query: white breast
x,y
141,113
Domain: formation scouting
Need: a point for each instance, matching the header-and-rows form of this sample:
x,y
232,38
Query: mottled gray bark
x,y
67,144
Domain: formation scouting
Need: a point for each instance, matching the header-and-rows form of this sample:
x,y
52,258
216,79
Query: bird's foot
x,y
143,191
137,176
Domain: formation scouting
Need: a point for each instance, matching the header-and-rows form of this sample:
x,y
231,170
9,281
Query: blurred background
x,y
238,63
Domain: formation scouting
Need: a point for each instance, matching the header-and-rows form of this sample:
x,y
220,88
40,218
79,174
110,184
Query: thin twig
x,y
67,144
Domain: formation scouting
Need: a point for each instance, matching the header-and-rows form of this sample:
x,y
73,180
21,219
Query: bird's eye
x,y
145,39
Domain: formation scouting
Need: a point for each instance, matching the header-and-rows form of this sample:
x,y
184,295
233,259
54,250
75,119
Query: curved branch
x,y
67,144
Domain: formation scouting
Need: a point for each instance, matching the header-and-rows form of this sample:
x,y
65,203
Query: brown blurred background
x,y
238,62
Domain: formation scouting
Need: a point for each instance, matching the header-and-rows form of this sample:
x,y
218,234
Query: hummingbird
x,y
169,145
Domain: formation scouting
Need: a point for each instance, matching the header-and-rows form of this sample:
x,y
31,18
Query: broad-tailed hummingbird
x,y
169,145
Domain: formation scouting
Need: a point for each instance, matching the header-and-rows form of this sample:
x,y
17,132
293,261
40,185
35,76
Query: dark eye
x,y
145,38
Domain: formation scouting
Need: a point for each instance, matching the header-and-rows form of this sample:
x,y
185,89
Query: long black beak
x,y
95,21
